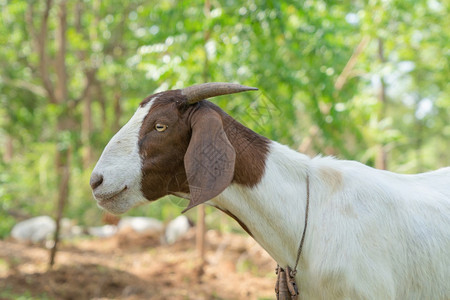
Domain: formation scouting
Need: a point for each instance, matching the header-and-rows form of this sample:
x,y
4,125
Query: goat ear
x,y
209,159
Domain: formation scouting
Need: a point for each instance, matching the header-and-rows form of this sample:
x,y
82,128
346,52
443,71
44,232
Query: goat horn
x,y
202,91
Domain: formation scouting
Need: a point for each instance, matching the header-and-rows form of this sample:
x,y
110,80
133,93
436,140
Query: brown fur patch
x,y
251,150
331,178
163,153
349,211
166,97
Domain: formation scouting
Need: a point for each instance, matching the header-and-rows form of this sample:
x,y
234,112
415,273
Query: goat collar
x,y
286,287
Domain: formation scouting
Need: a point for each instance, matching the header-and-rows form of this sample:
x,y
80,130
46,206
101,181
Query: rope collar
x,y
286,287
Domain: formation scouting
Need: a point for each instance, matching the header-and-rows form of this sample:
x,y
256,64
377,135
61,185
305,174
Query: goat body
x,y
371,234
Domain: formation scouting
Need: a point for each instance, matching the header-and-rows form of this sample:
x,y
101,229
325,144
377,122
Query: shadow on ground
x,y
81,281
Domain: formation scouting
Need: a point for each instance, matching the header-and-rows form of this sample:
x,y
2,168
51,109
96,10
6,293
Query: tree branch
x,y
35,89
342,78
40,40
61,91
89,71
90,82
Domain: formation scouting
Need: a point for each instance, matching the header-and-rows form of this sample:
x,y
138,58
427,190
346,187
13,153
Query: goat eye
x,y
160,127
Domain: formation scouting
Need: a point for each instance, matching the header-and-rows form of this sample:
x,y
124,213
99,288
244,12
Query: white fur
x,y
371,234
121,166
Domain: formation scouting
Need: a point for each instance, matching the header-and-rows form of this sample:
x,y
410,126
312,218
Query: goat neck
x,y
267,196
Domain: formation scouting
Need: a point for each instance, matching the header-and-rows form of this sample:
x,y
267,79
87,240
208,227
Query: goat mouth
x,y
110,197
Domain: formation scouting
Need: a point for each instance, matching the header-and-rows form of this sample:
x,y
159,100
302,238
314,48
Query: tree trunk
x,y
57,91
8,154
117,111
419,128
200,238
381,157
64,124
86,132
86,124
63,172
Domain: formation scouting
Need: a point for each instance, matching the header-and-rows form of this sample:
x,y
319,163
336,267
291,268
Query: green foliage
x,y
293,51
6,225
9,294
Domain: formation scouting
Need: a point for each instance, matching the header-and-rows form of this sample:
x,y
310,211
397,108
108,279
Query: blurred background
x,y
359,80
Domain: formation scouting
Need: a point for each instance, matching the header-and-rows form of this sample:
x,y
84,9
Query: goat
x,y
371,234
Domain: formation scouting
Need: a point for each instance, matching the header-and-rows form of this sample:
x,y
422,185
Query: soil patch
x,y
133,266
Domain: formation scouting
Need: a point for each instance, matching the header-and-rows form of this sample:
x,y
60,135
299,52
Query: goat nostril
x,y
96,180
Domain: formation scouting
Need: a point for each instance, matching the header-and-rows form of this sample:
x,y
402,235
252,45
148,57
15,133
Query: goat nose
x,y
96,180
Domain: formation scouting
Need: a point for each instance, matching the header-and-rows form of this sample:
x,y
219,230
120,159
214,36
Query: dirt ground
x,y
136,266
